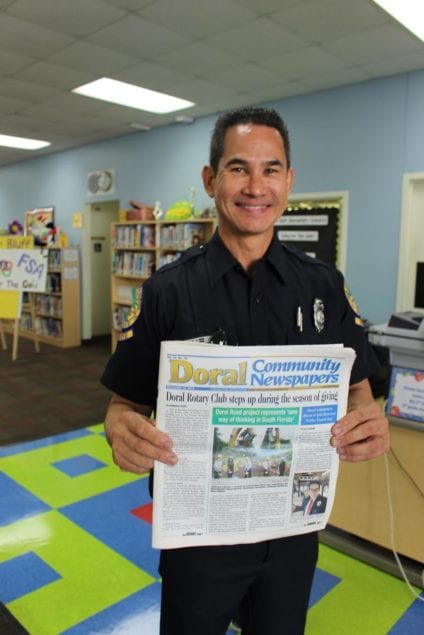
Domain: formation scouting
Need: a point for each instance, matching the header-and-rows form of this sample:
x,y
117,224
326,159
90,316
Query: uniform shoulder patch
x,y
352,303
126,329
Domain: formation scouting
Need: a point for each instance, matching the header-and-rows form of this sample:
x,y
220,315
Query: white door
x,y
97,268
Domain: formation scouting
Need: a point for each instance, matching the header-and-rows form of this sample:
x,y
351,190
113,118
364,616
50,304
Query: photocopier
x,y
403,335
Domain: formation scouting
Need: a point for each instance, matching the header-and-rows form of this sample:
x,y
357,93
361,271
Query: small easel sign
x,y
21,270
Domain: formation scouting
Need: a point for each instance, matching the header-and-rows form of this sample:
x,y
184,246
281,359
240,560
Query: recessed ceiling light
x,y
133,96
22,143
410,13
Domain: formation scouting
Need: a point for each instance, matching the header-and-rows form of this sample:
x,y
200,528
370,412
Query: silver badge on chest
x,y
319,314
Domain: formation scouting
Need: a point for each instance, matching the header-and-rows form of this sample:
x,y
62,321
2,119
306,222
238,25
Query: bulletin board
x,y
312,228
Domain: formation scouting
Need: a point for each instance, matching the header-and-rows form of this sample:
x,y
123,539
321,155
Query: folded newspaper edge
x,y
251,426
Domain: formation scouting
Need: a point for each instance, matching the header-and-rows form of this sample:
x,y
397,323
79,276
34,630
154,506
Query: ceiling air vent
x,y
101,182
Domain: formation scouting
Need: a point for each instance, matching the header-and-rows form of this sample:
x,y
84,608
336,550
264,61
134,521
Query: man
x,y
249,288
315,503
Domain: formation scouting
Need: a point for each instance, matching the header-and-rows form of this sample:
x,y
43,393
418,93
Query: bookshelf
x,y
53,316
139,248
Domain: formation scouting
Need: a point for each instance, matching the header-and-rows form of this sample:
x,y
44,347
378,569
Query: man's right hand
x,y
134,439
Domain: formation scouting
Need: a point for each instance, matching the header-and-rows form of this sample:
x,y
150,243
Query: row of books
x,y
48,327
54,282
49,304
55,258
133,236
43,325
129,263
181,236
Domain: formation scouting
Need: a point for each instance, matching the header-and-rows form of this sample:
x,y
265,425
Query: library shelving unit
x,y
139,248
53,316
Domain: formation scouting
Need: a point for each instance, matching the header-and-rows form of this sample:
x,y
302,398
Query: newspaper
x,y
251,428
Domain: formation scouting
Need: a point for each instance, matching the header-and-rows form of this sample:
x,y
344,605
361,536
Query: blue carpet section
x,y
24,574
412,621
78,465
108,517
16,502
323,583
136,615
18,448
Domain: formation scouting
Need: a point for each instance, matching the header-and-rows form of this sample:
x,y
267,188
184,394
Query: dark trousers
x,y
267,584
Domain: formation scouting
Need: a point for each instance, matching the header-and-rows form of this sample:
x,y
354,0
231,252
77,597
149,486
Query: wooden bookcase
x,y
139,248
56,312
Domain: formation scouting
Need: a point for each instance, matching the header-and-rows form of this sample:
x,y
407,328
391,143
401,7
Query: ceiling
x,y
216,53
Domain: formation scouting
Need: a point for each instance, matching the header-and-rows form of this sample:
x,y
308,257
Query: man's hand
x,y
363,433
134,439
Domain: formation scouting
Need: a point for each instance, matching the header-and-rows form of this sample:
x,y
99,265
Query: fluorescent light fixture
x,y
410,13
22,143
133,96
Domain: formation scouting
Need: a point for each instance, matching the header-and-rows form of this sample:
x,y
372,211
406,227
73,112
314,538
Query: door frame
x,y
86,291
408,221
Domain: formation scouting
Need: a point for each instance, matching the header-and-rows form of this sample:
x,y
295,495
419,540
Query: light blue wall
x,y
360,138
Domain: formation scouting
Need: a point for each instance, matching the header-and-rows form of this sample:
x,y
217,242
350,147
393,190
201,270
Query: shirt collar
x,y
219,259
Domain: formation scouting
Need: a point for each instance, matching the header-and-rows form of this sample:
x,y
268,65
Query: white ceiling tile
x,y
20,125
132,5
27,91
139,38
198,90
197,19
45,112
11,62
320,20
246,78
78,17
151,75
257,40
52,75
9,106
199,60
29,39
398,65
305,63
86,56
73,104
338,78
375,45
269,6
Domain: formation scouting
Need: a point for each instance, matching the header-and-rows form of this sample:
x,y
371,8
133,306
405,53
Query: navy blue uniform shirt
x,y
207,290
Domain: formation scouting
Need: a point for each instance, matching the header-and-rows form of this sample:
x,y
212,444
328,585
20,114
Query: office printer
x,y
403,335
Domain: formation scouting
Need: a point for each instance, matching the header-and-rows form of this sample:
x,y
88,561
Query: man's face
x,y
252,183
313,490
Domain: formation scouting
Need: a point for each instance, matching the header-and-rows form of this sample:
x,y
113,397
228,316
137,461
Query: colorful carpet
x,y
76,556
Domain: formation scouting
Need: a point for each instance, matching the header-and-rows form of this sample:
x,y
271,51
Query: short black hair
x,y
255,115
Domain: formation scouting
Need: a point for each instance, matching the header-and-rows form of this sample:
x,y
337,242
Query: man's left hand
x,y
363,433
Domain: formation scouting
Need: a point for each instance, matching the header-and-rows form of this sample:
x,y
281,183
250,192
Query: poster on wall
x,y
39,223
406,394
